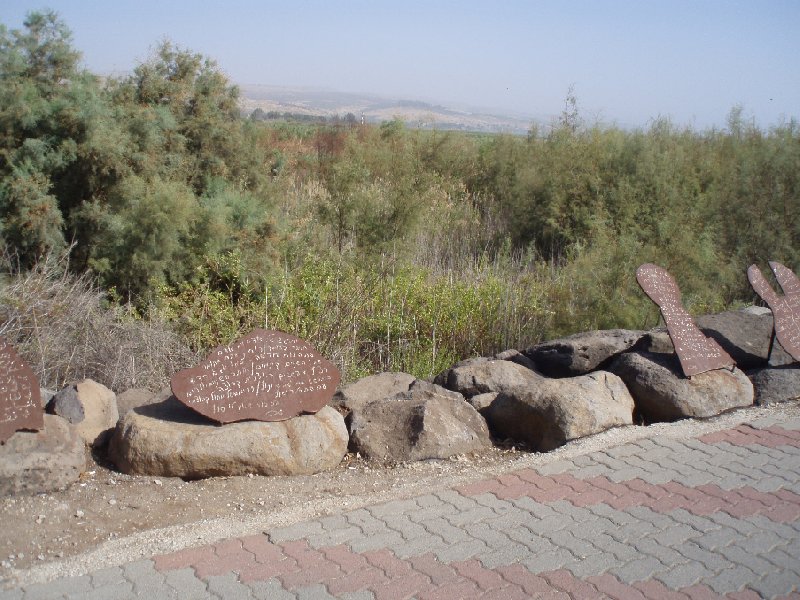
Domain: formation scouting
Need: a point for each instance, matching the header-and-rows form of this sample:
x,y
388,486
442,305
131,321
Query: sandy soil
x,y
109,518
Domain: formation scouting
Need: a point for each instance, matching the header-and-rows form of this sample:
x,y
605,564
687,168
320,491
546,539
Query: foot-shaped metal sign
x,y
786,308
696,352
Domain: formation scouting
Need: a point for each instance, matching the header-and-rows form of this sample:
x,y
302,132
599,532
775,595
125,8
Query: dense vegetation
x,y
389,248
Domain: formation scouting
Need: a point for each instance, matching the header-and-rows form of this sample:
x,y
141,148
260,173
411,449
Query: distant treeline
x,y
389,248
273,115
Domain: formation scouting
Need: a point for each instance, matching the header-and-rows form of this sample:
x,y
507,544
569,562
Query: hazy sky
x,y
629,61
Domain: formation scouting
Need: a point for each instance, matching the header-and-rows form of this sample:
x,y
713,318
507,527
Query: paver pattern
x,y
717,516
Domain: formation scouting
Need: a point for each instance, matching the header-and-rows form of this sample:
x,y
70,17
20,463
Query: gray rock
x,y
776,384
46,396
65,404
481,376
482,402
745,335
417,425
663,393
168,439
559,410
655,340
42,461
581,353
375,387
517,357
426,386
136,397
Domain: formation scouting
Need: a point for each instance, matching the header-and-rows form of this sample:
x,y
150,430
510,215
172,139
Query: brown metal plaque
x,y
20,399
265,376
785,309
696,352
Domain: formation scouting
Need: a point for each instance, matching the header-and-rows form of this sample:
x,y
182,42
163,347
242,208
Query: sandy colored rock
x,y
171,440
416,425
98,405
375,387
481,376
42,461
559,410
663,393
136,397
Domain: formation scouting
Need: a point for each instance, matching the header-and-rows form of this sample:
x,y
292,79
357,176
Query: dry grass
x,y
59,323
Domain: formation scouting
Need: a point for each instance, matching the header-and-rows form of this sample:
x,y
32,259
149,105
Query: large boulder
x,y
354,396
171,440
136,397
480,376
663,393
90,406
419,424
41,461
776,384
559,410
745,335
581,353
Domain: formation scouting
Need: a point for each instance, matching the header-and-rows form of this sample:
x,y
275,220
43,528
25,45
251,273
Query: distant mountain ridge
x,y
375,109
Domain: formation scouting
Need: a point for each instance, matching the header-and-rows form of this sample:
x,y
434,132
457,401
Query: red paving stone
x,y
701,500
485,579
747,435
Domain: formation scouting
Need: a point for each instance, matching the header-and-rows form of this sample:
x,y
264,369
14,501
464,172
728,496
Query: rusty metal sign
x,y
265,376
696,352
20,398
785,309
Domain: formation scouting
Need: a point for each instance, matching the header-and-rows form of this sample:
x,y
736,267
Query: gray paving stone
x,y
684,575
491,536
334,537
620,518
394,507
59,588
731,580
576,546
536,510
761,542
676,534
623,552
650,547
754,562
775,584
700,523
493,502
419,546
597,564
186,583
407,528
269,590
712,561
376,542
109,576
460,551
228,587
719,538
459,501
480,513
507,555
442,529
313,592
365,521
12,594
640,569
557,467
298,531
113,591
550,561
783,530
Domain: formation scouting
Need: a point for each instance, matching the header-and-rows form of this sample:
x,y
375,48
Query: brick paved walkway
x,y
716,516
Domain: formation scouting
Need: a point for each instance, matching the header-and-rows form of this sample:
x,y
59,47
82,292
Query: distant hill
x,y
376,109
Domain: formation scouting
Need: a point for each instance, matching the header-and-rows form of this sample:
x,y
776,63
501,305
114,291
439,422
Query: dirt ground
x,y
108,518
